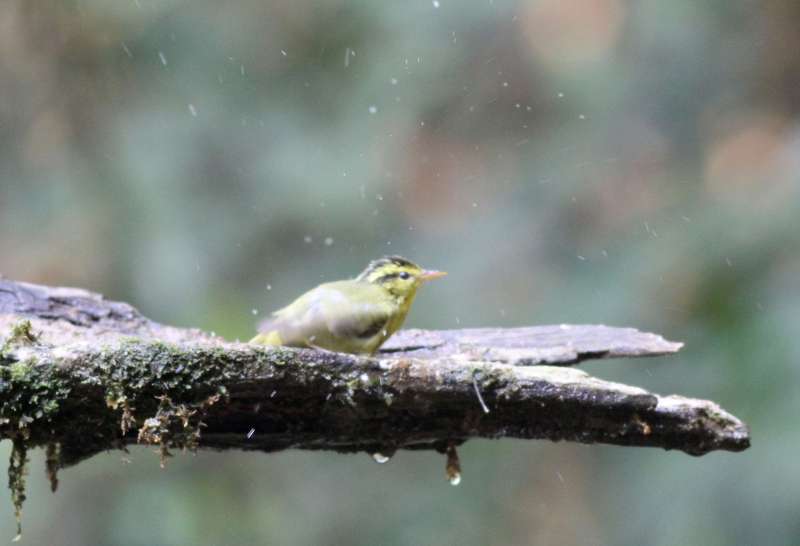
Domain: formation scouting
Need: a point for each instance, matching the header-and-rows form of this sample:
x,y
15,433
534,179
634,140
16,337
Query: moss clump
x,y
53,463
162,392
30,392
21,334
175,425
17,470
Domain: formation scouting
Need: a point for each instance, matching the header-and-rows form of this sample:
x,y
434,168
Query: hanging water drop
x,y
380,458
453,466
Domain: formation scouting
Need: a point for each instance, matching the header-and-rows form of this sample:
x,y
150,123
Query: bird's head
x,y
397,275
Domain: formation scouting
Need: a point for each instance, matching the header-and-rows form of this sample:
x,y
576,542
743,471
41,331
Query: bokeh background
x,y
630,163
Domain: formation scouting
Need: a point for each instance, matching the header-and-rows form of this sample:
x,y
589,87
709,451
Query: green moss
x,y
21,334
159,391
52,464
17,470
20,370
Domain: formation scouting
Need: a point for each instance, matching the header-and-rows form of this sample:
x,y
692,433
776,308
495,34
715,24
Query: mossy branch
x,y
79,375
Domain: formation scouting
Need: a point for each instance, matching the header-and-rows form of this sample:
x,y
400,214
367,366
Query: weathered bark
x,y
82,374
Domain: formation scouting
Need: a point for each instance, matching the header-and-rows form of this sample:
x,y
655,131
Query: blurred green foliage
x,y
631,163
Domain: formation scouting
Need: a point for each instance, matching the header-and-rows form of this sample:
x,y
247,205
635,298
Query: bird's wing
x,y
327,312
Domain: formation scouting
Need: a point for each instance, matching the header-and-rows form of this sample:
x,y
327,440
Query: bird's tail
x,y
268,338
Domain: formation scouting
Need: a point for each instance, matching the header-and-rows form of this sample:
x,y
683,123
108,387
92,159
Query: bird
x,y
351,316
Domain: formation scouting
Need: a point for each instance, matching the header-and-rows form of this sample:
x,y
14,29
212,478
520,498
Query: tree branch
x,y
81,374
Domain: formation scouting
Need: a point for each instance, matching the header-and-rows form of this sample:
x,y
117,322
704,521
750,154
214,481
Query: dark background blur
x,y
631,163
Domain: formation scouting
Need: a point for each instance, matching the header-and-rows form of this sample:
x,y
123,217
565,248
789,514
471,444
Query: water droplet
x,y
283,52
250,433
380,458
192,110
505,84
436,3
328,241
254,311
394,81
373,109
561,95
308,239
162,57
269,287
453,466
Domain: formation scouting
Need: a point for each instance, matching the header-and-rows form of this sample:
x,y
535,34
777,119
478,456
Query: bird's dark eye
x,y
404,275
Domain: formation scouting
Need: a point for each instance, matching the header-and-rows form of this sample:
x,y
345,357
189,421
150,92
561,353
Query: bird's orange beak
x,y
430,274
